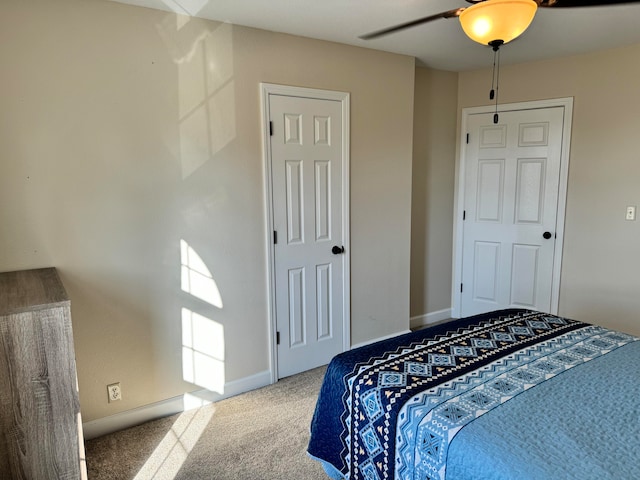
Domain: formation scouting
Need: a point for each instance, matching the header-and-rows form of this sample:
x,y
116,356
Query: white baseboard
x,y
170,406
430,318
369,342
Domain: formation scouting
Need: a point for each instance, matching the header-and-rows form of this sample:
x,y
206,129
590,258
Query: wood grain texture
x,y
28,290
39,406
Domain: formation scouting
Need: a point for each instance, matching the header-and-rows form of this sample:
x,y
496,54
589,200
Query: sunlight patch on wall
x,y
190,7
202,351
174,449
195,277
206,98
203,53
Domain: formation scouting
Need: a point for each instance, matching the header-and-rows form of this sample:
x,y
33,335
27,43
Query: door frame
x,y
458,207
267,89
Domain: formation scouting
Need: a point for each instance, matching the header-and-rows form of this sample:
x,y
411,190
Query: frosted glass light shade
x,y
493,20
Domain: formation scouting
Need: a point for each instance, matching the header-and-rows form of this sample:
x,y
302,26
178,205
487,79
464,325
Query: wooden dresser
x,y
40,425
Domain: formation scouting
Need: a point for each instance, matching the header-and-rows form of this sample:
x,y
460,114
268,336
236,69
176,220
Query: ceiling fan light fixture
x,y
492,20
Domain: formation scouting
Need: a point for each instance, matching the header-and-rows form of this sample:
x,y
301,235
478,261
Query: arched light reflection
x,y
196,278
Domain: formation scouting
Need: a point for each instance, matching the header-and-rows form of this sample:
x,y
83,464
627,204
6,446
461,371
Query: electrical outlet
x,y
113,392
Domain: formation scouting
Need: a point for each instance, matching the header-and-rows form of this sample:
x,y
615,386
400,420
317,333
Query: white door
x,y
306,167
512,172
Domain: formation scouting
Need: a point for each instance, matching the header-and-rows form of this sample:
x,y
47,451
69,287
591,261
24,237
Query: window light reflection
x,y
196,278
202,351
169,456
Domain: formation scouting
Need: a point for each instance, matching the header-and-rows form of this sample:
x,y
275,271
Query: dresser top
x,y
30,290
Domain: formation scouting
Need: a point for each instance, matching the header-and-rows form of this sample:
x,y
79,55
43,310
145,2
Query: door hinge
x,y
277,338
467,138
460,288
275,237
270,128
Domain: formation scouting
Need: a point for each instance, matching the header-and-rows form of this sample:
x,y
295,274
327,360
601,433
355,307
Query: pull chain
x,y
495,115
492,93
495,76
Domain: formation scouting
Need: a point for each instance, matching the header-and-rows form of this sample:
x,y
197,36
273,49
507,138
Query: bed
x,y
512,394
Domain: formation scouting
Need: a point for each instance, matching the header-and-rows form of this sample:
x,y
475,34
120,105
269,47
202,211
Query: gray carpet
x,y
259,435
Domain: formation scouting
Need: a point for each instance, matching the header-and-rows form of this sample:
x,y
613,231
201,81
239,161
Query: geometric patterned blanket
x,y
390,410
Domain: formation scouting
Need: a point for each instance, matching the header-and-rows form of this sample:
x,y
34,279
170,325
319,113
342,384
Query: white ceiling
x,y
440,44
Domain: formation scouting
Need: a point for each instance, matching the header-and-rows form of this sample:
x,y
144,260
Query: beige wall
x,y
600,280
434,154
126,130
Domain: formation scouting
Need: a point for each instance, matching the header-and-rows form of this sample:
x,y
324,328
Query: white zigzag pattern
x,y
521,370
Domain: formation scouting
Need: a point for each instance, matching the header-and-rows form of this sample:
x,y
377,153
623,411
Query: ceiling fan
x,y
495,22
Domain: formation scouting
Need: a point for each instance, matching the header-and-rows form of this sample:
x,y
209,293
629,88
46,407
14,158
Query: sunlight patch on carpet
x,y
167,459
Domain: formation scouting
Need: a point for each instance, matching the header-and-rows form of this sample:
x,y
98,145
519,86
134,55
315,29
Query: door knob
x,y
336,250
546,235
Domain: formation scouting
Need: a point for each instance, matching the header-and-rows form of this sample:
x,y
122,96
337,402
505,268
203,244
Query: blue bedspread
x,y
582,425
394,409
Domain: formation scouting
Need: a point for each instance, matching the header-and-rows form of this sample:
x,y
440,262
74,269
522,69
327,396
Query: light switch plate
x,y
631,212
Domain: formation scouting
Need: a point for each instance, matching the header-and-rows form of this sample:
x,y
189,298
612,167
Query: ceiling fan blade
x,y
413,23
581,3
